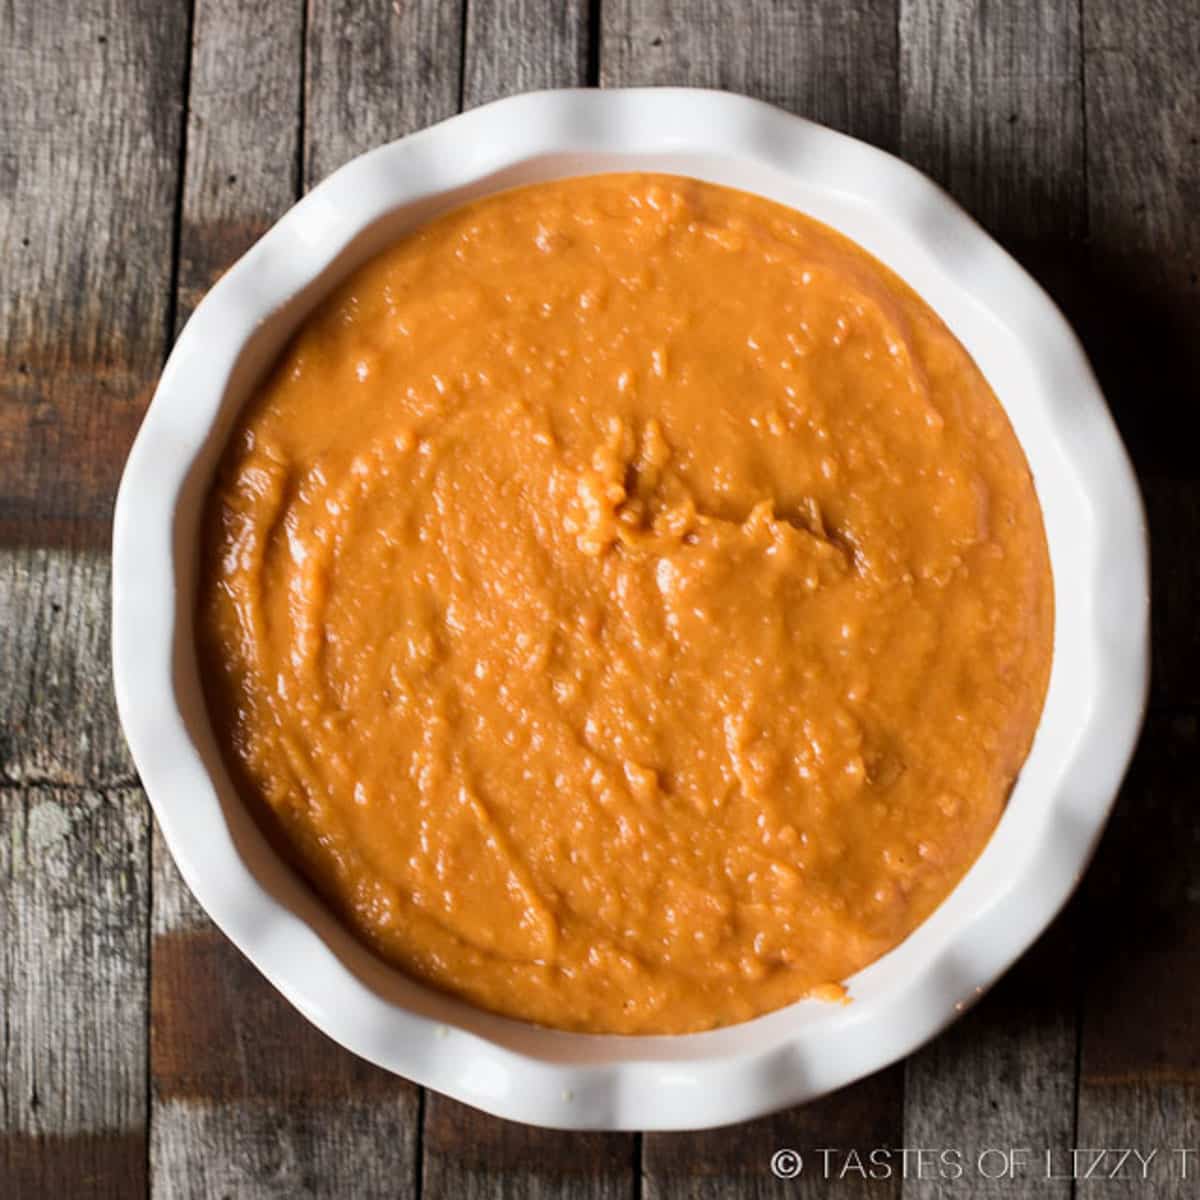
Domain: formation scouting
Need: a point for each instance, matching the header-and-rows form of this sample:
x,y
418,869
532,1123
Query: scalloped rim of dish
x,y
1095,529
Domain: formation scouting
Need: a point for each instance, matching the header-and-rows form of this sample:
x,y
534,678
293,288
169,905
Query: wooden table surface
x,y
144,144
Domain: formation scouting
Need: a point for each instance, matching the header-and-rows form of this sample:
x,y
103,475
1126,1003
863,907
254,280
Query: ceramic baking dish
x,y
1094,524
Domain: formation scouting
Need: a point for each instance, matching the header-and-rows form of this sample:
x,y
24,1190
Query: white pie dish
x,y
1094,524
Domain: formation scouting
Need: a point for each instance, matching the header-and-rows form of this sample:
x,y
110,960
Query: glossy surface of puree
x,y
629,605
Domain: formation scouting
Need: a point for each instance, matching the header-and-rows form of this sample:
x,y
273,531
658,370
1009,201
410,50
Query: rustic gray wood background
x,y
144,144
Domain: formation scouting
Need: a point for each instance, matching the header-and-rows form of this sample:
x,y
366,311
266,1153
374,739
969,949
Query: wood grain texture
x,y
991,104
1140,1053
73,900
1140,1048
375,72
824,59
511,46
260,1157
58,720
992,108
89,155
471,1156
523,45
836,63
1002,1077
249,1098
833,1137
1143,120
243,135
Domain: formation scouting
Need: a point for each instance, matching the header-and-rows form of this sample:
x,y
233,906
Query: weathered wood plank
x,y
471,1156
249,1098
1002,1078
74,888
513,46
992,107
73,906
376,72
89,157
59,721
243,135
91,103
523,45
259,1156
824,59
832,1136
836,63
1142,323
1140,1070
1140,1054
1143,146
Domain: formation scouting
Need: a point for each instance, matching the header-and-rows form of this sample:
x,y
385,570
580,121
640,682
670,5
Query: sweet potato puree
x,y
628,604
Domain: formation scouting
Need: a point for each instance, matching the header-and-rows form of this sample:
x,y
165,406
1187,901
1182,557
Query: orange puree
x,y
628,604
